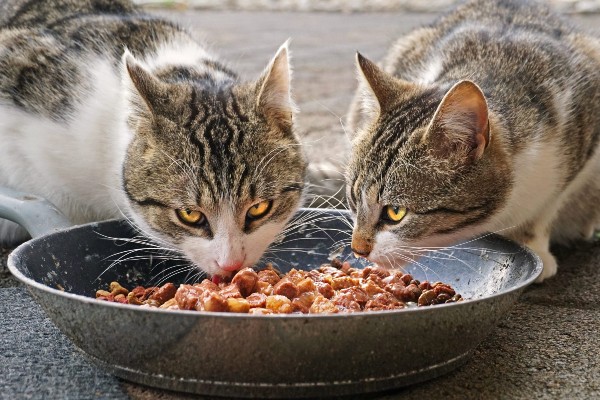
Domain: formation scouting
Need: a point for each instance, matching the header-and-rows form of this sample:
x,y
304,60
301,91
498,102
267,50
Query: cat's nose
x,y
361,252
232,267
361,247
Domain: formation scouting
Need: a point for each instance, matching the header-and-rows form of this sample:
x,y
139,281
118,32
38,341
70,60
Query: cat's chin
x,y
389,262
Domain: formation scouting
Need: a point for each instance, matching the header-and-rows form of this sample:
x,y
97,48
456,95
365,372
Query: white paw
x,y
550,265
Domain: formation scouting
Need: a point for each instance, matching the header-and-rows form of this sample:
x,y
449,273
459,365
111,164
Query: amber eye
x,y
190,217
393,214
259,210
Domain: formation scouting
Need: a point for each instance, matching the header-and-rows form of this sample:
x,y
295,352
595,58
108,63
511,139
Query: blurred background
x,y
353,5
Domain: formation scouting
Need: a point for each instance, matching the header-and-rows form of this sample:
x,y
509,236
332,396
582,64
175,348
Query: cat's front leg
x,y
540,244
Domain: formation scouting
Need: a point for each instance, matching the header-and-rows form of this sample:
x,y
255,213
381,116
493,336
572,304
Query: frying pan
x,y
259,356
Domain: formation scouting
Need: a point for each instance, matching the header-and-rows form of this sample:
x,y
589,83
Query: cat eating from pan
x,y
487,120
104,110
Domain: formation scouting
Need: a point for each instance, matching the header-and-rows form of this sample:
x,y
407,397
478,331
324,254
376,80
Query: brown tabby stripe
x,y
142,202
395,128
220,67
478,217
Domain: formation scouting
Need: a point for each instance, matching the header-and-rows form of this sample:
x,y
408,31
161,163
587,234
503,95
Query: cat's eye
x,y
259,210
190,217
393,214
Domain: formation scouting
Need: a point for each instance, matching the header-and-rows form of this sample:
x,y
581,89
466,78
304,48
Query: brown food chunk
x,y
383,301
346,302
407,278
164,293
380,272
443,288
426,298
306,285
346,268
285,288
295,276
356,294
299,306
269,276
231,290
264,287
170,304
337,263
322,305
187,296
410,293
257,300
245,280
343,282
209,285
371,288
213,301
260,311
335,287
116,289
133,299
139,292
238,305
279,304
334,272
103,293
325,289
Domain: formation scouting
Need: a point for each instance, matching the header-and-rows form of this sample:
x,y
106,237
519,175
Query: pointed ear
x,y
380,89
460,124
274,89
145,90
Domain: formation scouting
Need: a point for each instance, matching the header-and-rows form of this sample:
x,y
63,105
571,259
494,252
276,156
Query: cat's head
x,y
214,168
426,168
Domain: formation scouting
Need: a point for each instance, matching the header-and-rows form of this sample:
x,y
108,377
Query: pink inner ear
x,y
463,118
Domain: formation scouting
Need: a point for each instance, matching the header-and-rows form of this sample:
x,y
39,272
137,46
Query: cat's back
x,y
487,40
51,51
533,66
84,26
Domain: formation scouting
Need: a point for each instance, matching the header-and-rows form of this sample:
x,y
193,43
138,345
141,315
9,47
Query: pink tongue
x,y
216,279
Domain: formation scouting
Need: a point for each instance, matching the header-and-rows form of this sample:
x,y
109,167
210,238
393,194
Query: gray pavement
x,y
546,348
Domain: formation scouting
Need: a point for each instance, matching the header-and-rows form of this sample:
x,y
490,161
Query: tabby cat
x,y
487,120
105,109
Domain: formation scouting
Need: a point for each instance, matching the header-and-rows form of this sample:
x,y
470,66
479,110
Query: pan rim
x,y
29,282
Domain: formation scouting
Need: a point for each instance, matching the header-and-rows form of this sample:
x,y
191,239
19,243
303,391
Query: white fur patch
x,y
75,165
431,73
230,245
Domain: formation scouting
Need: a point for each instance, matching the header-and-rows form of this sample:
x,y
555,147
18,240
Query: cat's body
x,y
173,140
490,124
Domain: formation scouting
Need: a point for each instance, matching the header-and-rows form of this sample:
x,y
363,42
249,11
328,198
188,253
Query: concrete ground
x,y
546,348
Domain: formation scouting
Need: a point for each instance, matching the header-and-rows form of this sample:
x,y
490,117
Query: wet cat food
x,y
332,288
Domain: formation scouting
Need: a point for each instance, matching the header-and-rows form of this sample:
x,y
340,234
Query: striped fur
x,y
486,120
104,110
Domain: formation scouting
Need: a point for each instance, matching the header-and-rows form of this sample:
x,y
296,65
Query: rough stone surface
x,y
547,346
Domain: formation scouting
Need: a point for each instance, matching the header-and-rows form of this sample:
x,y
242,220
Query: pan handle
x,y
34,213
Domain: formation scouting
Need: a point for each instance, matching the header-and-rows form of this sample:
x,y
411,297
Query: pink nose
x,y
232,267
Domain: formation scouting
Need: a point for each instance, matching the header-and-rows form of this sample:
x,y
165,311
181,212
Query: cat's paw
x,y
550,266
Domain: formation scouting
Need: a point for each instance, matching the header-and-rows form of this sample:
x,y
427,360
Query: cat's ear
x,y
144,89
460,125
379,89
274,97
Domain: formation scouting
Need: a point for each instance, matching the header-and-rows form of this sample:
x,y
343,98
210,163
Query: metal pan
x,y
260,356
